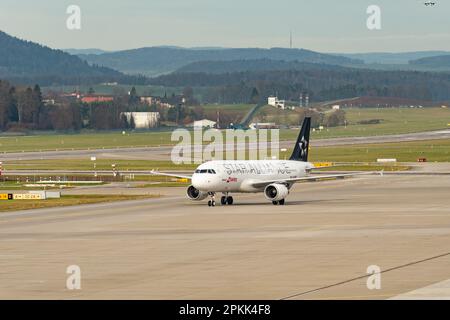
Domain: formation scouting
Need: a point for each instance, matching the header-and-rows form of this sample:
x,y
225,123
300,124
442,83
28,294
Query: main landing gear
x,y
281,202
226,200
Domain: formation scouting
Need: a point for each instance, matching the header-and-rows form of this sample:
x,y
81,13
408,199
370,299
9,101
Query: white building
x,y
263,125
143,120
204,123
274,102
148,100
336,107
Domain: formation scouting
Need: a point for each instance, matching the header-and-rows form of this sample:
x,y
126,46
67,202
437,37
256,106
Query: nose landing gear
x,y
281,202
212,202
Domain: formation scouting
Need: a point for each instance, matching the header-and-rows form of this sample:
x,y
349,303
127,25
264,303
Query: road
x,y
163,152
317,246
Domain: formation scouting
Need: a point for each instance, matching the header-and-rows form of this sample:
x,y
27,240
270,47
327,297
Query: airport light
x,y
284,150
94,159
114,170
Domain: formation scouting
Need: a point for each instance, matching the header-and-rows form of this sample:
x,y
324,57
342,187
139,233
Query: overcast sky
x,y
321,25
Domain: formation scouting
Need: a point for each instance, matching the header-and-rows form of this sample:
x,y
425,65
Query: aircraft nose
x,y
198,181
203,182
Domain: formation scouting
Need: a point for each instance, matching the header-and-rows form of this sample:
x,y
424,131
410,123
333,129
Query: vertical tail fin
x,y
300,152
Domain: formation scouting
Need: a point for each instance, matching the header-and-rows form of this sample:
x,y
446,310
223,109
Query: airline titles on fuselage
x,y
256,168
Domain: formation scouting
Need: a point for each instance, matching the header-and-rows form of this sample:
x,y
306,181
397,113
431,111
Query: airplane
x,y
274,178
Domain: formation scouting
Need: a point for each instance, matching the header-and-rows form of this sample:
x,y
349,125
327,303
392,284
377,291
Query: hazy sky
x,y
322,25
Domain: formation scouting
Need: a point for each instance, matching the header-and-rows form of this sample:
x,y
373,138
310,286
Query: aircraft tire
x,y
223,200
229,200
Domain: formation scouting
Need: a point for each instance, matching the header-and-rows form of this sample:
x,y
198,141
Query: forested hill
x,y
153,61
437,62
322,84
29,62
217,67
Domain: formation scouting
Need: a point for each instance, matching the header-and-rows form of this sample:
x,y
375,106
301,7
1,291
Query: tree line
x,y
321,84
23,108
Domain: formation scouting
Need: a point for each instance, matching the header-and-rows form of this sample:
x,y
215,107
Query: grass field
x,y
370,166
394,121
14,205
83,141
109,139
433,150
101,164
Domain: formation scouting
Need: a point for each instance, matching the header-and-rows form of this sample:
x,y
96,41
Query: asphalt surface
x,y
319,245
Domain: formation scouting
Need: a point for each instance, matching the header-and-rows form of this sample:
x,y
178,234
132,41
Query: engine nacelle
x,y
195,194
276,192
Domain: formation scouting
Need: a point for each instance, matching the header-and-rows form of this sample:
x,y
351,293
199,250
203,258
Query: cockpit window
x,y
210,171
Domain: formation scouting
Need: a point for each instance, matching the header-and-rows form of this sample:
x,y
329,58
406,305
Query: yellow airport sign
x,y
322,164
3,196
20,196
26,196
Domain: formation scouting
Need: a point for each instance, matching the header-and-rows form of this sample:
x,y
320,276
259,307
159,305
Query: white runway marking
x,y
437,291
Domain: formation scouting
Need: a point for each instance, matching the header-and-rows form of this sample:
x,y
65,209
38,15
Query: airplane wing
x,y
259,184
157,173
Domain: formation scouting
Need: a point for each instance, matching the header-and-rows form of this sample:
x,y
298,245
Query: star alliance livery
x,y
272,177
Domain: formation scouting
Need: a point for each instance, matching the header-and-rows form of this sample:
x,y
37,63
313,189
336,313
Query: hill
x,y
218,67
84,51
29,62
437,62
153,61
391,58
322,82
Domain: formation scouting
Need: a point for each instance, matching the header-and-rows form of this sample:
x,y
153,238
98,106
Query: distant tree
x,y
254,96
24,106
133,98
335,118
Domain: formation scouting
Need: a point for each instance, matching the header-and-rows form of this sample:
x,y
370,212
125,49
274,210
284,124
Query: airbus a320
x,y
274,178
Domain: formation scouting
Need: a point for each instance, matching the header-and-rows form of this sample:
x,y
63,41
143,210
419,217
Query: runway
x,y
318,246
163,152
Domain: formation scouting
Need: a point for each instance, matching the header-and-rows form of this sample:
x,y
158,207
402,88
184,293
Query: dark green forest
x,y
320,81
28,62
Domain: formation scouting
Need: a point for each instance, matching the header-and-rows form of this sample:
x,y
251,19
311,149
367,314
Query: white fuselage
x,y
240,176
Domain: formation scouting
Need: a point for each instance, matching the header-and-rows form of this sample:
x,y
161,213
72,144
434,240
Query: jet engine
x,y
276,192
195,194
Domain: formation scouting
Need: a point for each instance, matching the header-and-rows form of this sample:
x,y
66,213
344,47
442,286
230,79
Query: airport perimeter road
x,y
163,152
317,246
